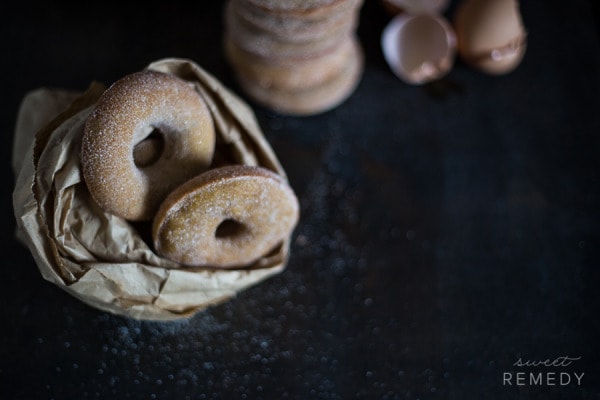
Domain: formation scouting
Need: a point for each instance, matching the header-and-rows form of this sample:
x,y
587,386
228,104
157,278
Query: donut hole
x,y
230,229
149,150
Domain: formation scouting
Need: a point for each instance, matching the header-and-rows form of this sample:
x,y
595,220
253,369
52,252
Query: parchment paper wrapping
x,y
101,259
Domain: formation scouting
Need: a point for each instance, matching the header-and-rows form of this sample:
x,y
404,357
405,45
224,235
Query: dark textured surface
x,y
447,230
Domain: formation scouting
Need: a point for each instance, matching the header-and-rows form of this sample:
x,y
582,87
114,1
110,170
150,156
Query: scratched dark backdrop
x,y
447,230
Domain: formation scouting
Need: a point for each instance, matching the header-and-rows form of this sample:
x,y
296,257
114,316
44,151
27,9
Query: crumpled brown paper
x,y
97,257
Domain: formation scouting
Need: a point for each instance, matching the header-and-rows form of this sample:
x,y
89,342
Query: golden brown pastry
x,y
148,133
225,217
307,100
295,57
298,26
279,46
296,74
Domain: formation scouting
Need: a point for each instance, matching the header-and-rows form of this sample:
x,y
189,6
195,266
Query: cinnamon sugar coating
x,y
145,105
226,217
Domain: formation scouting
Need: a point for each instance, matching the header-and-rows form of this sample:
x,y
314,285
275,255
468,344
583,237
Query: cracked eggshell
x,y
415,6
490,34
419,48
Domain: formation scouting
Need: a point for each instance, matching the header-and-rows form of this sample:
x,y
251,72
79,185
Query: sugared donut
x,y
225,217
298,26
291,75
308,100
148,133
268,45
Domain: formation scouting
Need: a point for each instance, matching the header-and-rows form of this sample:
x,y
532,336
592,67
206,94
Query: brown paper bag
x,y
100,258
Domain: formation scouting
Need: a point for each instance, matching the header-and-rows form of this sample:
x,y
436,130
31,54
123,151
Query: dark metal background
x,y
447,230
